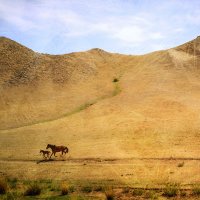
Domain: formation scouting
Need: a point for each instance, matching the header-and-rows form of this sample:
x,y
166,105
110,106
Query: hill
x,y
101,104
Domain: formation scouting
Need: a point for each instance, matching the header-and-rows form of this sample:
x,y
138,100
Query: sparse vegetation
x,y
109,194
126,190
196,190
71,189
138,192
171,190
115,80
12,182
64,189
181,164
3,187
33,190
117,90
98,188
183,193
86,189
151,194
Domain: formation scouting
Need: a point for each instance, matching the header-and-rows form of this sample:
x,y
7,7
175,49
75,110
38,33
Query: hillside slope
x,y
37,87
151,110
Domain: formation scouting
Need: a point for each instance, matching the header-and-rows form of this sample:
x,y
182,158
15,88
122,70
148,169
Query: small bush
x,y
151,195
171,190
10,196
138,192
109,194
115,80
3,187
181,164
64,190
126,190
183,193
71,188
33,190
98,188
196,190
86,189
12,182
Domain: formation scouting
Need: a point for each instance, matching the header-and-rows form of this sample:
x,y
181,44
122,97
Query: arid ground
x,y
128,121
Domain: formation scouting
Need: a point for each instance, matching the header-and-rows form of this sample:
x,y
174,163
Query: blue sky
x,y
123,26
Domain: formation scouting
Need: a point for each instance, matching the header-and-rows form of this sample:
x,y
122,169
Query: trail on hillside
x,y
82,107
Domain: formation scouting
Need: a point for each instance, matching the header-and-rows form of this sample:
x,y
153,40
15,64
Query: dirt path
x,y
131,172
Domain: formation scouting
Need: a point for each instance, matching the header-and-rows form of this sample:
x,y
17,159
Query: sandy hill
x,y
126,105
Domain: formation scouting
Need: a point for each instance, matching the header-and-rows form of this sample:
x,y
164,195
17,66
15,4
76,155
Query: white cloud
x,y
129,23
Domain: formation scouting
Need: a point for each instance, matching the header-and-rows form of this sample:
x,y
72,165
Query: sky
x,y
122,26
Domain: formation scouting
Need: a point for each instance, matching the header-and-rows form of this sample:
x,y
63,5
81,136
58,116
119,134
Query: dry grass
x,y
109,194
144,115
3,186
33,190
171,190
196,190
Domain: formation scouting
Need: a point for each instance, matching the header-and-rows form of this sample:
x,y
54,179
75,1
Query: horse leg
x,y
51,155
55,154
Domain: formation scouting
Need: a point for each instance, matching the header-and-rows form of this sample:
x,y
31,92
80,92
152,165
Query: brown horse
x,y
47,153
55,149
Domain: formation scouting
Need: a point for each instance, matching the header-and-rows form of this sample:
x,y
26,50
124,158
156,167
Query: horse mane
x,y
51,145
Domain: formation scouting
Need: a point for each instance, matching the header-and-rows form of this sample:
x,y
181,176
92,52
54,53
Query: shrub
x,y
115,80
33,190
109,194
86,189
12,182
171,190
181,164
64,190
196,190
138,192
151,195
126,190
71,188
98,188
183,193
3,187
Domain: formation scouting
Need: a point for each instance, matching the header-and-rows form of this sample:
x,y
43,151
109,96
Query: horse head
x,y
66,150
48,146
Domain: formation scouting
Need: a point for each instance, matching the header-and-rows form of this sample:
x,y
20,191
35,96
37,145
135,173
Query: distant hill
x,y
101,104
41,87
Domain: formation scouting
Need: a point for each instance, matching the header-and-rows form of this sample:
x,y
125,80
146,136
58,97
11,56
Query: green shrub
x,y
126,190
98,188
196,190
138,192
109,194
115,80
86,189
151,195
33,190
3,187
64,190
71,188
183,193
12,182
171,190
